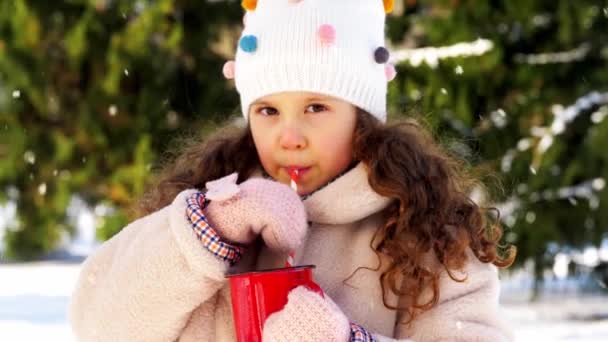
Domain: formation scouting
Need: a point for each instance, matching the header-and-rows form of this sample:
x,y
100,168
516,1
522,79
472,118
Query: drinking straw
x,y
293,174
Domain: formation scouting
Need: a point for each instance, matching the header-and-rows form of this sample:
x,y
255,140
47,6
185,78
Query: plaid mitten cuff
x,y
196,203
359,334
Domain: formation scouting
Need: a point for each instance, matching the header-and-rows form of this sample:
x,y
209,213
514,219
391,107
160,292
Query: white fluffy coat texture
x,y
154,282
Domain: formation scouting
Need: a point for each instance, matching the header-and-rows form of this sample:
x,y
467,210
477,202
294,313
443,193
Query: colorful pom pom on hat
x,y
249,5
331,47
389,5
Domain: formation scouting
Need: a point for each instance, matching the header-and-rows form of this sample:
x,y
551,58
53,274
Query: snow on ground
x,y
565,319
34,299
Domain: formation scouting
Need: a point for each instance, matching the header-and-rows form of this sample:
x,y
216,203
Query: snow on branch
x,y
432,55
574,55
563,116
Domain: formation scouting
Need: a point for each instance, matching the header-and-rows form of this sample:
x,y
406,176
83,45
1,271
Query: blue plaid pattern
x,y
206,234
359,334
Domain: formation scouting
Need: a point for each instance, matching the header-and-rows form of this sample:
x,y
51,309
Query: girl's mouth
x,y
301,170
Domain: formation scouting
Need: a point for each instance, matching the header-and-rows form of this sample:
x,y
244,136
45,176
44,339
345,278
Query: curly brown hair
x,y
432,210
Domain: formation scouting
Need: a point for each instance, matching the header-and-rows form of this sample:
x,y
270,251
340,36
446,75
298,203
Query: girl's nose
x,y
292,138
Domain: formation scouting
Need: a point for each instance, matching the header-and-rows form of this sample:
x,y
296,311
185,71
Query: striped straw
x,y
293,174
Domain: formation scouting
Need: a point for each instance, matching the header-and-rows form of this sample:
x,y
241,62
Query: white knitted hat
x,y
332,47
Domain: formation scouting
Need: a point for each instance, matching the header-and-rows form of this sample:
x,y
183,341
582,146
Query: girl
x,y
400,250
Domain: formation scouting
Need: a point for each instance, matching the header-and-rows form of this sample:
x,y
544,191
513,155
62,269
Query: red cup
x,y
257,295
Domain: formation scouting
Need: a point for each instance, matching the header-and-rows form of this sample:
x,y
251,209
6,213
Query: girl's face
x,y
307,131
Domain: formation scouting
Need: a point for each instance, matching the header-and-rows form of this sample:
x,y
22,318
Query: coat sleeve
x,y
467,311
144,283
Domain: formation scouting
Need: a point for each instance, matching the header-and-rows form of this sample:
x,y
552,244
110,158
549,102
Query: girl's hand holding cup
x,y
239,213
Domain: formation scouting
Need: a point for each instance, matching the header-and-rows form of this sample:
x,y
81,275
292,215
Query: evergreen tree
x,y
528,95
91,92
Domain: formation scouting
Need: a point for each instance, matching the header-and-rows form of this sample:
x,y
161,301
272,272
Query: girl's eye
x,y
317,108
266,111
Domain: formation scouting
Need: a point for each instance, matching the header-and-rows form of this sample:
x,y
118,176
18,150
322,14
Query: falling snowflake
x,y
598,184
530,217
113,110
30,157
42,189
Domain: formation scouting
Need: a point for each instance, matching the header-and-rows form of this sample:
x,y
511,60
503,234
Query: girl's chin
x,y
306,190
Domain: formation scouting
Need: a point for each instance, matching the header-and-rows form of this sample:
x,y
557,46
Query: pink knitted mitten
x,y
239,213
307,317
